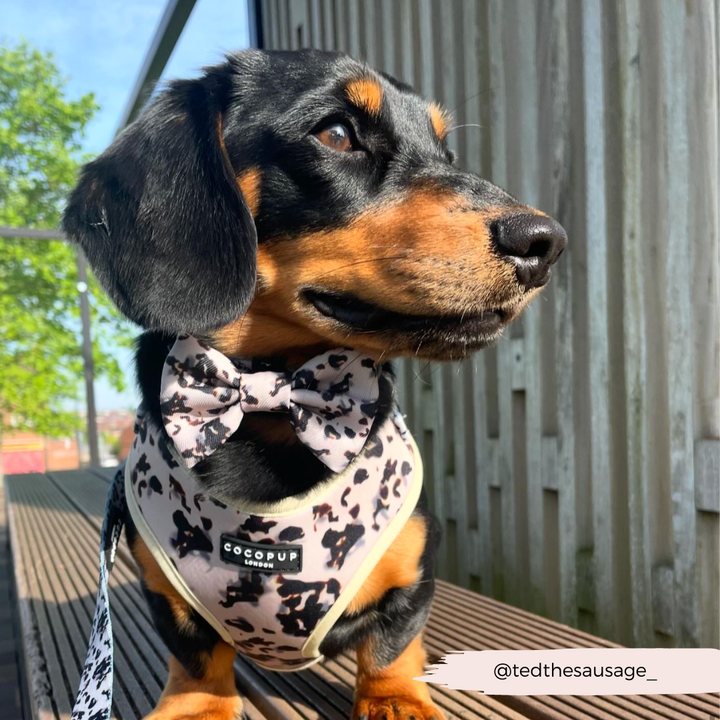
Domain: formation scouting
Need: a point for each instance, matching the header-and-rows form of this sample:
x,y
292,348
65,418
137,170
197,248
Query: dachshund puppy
x,y
282,205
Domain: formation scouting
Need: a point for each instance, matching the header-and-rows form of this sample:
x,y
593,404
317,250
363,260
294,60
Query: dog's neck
x,y
261,333
263,461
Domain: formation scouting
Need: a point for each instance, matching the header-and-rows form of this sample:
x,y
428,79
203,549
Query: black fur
x,y
162,220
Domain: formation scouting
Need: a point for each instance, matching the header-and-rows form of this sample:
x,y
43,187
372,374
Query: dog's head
x,y
293,200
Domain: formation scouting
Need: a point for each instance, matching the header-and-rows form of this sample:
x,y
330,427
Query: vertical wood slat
x,y
313,31
634,326
556,132
283,21
272,30
328,24
563,316
388,34
677,293
470,144
341,26
370,26
499,175
596,237
534,547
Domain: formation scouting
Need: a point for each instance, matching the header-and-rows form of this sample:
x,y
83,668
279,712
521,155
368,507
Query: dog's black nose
x,y
532,242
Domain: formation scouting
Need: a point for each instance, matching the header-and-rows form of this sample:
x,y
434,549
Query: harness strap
x,y
94,696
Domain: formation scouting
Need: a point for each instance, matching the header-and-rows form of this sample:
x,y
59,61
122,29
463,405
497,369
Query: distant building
x,y
26,452
23,452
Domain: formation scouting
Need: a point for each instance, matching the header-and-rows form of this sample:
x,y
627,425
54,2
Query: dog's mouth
x,y
468,329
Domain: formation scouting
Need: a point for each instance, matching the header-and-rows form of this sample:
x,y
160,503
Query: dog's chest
x,y
273,580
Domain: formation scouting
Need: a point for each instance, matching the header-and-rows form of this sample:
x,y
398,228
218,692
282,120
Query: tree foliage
x,y
41,131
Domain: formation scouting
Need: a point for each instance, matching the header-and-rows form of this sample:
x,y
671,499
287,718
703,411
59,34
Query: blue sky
x,y
100,47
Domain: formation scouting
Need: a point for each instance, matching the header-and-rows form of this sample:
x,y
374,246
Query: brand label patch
x,y
259,556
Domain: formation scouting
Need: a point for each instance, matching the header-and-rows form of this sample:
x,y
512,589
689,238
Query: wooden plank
x,y
468,105
707,475
423,58
552,168
283,23
388,35
313,33
444,481
524,180
328,24
518,370
13,688
549,463
446,65
465,501
370,52
499,175
341,26
298,19
483,477
353,24
596,238
663,599
516,428
703,116
679,309
407,13
270,21
628,21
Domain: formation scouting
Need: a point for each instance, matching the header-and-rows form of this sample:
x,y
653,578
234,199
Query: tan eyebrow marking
x,y
440,119
366,94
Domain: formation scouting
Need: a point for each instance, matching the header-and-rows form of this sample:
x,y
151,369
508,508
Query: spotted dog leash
x,y
94,698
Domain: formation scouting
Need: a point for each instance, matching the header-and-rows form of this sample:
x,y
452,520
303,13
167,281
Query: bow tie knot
x,y
331,400
271,392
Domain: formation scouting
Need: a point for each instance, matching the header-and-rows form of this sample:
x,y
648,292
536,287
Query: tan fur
x,y
427,254
212,697
250,182
366,94
391,692
398,567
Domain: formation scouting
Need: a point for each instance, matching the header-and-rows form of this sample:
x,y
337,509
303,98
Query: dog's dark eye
x,y
336,136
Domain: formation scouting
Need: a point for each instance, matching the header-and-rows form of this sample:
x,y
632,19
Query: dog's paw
x,y
395,708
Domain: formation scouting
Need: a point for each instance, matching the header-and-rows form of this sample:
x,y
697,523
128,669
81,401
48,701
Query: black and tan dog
x,y
278,206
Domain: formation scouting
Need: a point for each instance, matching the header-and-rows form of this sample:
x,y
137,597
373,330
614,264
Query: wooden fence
x,y
575,467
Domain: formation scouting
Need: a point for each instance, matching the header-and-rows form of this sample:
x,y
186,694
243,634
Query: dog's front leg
x,y
390,693
201,681
210,696
395,602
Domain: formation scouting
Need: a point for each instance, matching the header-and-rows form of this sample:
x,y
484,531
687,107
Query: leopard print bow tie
x,y
331,400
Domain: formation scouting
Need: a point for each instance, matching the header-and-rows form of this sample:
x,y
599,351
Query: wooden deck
x,y
11,684
54,527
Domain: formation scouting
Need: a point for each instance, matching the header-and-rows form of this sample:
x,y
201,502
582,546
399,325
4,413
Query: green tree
x,y
40,152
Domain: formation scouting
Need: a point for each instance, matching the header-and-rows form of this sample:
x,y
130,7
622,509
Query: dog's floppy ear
x,y
161,218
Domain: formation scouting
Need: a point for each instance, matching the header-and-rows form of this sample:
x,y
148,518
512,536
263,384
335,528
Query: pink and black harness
x,y
272,580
